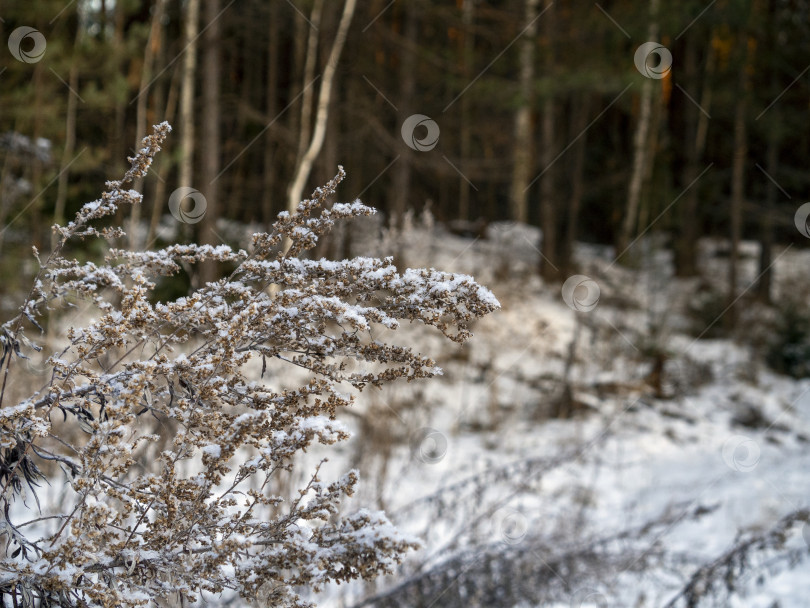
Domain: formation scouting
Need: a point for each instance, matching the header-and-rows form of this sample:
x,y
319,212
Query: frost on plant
x,y
190,510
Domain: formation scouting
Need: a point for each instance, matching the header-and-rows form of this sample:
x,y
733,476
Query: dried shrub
x,y
204,520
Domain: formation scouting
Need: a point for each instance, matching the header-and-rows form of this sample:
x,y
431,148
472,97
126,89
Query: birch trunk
x,y
640,149
304,165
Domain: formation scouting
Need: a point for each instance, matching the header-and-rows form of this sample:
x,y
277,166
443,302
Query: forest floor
x,y
593,458
554,430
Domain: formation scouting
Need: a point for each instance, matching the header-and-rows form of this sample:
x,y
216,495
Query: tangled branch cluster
x,y
201,517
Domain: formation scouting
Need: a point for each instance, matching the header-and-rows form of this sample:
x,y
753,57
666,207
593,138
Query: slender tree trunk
x,y
766,226
152,47
70,138
187,139
579,122
331,147
647,204
310,65
210,133
696,128
299,58
548,211
5,201
639,160
737,199
772,162
640,149
38,169
407,88
159,202
466,52
271,107
522,156
739,161
119,145
304,167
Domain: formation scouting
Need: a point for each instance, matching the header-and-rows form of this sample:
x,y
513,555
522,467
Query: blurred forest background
x,y
545,143
543,116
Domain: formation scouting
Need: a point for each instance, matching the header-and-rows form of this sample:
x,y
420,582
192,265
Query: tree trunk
x,y
407,88
686,263
548,211
152,47
579,122
739,161
119,145
159,202
310,65
766,235
765,274
271,107
522,157
210,136
186,169
70,139
640,149
647,206
304,166
38,168
466,41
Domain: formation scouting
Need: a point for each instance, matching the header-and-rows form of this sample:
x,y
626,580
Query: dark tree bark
x,y
548,154
746,46
522,155
70,138
210,132
466,41
686,263
271,108
763,288
764,283
403,169
142,107
579,122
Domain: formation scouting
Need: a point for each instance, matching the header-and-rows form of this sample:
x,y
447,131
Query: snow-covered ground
x,y
472,463
617,502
